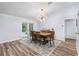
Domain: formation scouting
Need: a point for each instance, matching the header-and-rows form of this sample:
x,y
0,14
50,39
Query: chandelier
x,y
42,16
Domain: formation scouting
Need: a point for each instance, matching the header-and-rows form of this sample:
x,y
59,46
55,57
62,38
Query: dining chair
x,y
52,36
33,35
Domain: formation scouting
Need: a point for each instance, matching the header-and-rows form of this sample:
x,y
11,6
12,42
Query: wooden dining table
x,y
43,36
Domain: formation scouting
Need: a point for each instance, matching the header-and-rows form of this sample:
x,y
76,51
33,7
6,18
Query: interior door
x,y
70,28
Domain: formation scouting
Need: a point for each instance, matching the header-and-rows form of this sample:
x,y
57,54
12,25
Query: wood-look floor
x,y
67,48
15,48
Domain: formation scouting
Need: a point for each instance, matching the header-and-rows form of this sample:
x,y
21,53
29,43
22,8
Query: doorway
x,y
70,29
26,29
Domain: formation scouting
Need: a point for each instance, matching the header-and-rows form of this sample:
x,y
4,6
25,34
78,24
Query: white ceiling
x,y
31,10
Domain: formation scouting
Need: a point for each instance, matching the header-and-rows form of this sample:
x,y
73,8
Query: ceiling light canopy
x,y
50,3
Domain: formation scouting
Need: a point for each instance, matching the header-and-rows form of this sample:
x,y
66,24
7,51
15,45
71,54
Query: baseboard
x,y
10,40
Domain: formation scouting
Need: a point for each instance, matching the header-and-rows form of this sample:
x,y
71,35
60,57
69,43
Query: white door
x,y
70,28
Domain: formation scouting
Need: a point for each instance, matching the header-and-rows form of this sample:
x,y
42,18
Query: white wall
x,y
11,27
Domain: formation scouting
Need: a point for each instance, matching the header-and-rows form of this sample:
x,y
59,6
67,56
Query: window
x,y
24,27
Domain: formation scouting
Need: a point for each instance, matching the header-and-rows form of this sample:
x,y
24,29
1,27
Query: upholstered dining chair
x,y
35,36
51,37
32,34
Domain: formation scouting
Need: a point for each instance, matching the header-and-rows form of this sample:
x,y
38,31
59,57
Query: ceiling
x,y
31,10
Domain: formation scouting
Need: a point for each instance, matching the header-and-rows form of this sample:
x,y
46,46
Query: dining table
x,y
43,36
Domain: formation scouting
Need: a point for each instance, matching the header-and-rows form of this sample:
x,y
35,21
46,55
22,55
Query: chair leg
x,y
39,42
50,44
53,42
